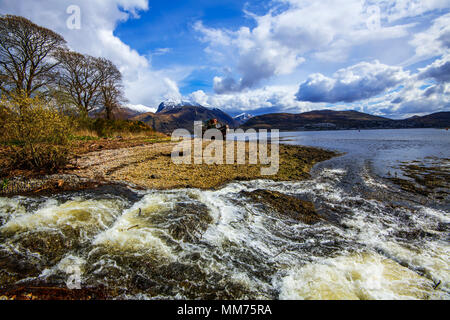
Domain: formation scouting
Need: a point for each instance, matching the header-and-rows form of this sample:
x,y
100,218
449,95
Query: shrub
x,y
35,133
110,128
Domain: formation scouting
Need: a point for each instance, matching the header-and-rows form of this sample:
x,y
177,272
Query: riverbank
x,y
150,166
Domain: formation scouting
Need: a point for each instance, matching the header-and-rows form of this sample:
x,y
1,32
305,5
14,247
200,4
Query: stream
x,y
377,241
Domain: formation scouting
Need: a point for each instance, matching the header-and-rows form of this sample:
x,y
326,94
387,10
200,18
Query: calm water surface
x,y
384,148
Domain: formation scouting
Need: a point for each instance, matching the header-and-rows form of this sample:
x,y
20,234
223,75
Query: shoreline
x,y
347,129
149,166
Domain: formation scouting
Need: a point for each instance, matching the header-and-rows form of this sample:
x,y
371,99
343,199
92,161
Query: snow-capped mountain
x,y
173,104
242,118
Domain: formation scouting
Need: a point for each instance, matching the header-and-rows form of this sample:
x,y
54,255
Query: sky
x,y
384,57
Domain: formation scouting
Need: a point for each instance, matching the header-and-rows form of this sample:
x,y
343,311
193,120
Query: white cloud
x,y
332,31
399,9
359,82
439,70
413,99
278,45
432,42
284,46
140,108
267,99
161,51
368,87
143,84
199,97
329,31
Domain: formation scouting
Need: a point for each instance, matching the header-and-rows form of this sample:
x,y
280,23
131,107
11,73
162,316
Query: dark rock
x,y
285,205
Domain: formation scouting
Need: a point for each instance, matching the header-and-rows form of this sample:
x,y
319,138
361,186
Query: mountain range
x,y
172,115
341,120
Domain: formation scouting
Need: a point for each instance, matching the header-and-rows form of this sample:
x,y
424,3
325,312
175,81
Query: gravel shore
x,y
151,167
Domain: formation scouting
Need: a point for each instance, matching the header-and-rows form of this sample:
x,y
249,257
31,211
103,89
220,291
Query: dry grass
x,y
86,133
151,167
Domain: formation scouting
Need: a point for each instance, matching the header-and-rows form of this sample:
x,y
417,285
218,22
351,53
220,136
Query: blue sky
x,y
165,33
383,57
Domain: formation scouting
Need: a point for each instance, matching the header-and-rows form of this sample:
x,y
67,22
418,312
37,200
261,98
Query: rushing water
x,y
377,242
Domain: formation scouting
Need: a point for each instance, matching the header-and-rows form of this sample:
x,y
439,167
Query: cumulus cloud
x,y
416,96
259,57
226,85
293,39
399,9
416,100
143,84
281,39
368,87
383,90
257,101
199,97
439,70
305,33
361,81
434,41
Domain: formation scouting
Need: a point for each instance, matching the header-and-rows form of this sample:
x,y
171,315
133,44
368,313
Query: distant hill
x,y
323,119
182,116
174,115
338,120
435,120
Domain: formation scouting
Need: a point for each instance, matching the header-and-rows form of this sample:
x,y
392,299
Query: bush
x,y
110,128
35,133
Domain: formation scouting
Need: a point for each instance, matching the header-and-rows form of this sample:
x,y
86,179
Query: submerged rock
x,y
289,206
40,292
186,221
428,178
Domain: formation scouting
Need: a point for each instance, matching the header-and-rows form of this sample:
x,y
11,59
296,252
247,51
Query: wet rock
x,y
187,221
415,234
285,205
425,178
14,267
410,186
52,293
47,247
143,283
46,185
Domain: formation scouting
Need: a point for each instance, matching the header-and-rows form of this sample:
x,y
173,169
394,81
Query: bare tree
x,y
80,79
26,49
111,89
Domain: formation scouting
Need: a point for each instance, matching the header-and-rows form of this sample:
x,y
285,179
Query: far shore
x,y
148,165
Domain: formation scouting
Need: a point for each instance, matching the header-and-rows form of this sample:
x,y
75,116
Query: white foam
x,y
358,276
74,213
131,231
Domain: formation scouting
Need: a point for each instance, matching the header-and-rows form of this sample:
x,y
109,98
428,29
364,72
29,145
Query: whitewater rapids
x,y
219,244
